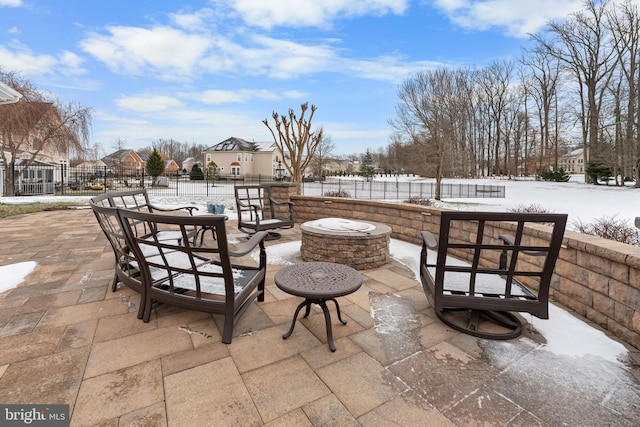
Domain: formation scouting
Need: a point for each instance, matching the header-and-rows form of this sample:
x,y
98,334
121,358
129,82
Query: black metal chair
x,y
126,265
258,211
480,273
137,200
174,271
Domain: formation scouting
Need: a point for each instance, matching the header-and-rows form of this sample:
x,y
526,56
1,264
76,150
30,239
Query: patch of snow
x,y
14,274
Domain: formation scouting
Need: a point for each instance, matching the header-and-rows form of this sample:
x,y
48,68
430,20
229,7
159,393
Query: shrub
x,y
555,176
196,173
340,193
530,208
597,170
612,229
419,201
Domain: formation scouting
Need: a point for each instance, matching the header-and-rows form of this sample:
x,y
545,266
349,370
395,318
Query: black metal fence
x,y
75,181
402,189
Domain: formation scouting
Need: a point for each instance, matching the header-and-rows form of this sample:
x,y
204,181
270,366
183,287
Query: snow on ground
x,y
582,202
14,274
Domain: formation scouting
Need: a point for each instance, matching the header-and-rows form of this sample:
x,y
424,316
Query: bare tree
x,y
542,84
495,83
624,21
322,156
429,107
293,136
583,45
39,124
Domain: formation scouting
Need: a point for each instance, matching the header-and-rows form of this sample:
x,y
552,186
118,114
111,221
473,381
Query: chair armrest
x,y
249,245
189,208
279,202
510,240
429,240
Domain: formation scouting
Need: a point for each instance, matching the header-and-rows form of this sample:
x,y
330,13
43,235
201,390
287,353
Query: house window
x,y
239,157
252,158
246,157
138,165
208,158
235,171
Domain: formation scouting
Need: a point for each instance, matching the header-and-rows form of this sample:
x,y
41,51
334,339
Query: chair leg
x,y
114,284
227,329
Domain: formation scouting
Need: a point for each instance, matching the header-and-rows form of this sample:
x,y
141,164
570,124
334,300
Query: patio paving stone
x,y
132,350
79,313
15,348
107,396
213,391
294,418
329,411
406,410
283,386
78,335
52,378
249,353
349,378
154,415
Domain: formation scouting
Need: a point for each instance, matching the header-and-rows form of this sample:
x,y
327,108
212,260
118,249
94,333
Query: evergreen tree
x,y
196,173
597,170
367,171
155,164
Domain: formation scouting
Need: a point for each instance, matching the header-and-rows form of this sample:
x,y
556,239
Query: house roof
x,y
575,153
239,144
115,158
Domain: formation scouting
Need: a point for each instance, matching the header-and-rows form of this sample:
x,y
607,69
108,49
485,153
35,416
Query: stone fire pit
x,y
359,244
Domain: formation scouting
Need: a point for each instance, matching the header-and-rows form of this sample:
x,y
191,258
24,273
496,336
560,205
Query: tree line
x,y
575,86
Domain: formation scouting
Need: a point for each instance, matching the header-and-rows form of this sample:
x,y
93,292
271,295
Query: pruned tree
x,y
293,136
37,125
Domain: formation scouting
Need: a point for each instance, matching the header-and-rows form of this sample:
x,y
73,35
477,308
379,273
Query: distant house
x,y
188,163
23,156
236,157
573,162
171,167
127,162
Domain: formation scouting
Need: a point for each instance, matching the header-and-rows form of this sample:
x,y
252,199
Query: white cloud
x,y
518,18
165,52
22,60
168,53
215,96
301,13
148,103
198,20
10,3
71,64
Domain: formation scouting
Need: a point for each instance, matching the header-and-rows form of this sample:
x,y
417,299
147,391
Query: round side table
x,y
317,283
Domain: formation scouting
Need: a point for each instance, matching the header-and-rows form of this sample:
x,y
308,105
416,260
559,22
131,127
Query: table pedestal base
x,y
327,317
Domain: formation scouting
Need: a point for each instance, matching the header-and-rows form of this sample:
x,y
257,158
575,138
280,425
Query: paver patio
x,y
66,338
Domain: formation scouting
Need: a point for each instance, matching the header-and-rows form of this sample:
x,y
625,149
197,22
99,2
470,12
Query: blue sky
x,y
204,70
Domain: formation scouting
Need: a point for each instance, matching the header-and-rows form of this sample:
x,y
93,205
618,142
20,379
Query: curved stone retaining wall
x,y
597,278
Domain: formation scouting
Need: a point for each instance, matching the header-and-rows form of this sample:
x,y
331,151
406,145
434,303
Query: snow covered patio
x,y
66,338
